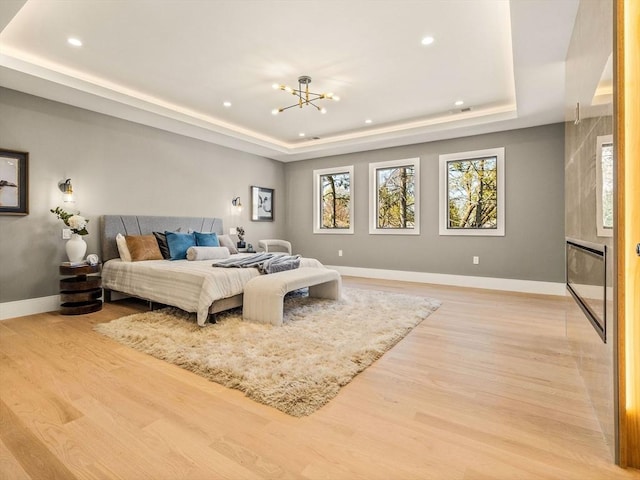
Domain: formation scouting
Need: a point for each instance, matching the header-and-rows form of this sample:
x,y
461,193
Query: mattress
x,y
189,285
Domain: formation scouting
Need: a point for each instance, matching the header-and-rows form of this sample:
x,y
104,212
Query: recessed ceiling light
x,y
368,120
76,42
301,134
427,40
459,103
227,104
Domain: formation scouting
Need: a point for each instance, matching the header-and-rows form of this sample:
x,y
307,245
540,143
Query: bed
x,y
193,286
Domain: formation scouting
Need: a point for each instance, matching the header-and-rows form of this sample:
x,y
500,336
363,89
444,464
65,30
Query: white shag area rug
x,y
297,367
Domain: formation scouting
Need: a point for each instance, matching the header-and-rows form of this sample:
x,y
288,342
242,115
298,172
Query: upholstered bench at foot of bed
x,y
264,295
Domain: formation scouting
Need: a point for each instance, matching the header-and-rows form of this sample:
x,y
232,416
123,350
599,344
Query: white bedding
x,y
189,285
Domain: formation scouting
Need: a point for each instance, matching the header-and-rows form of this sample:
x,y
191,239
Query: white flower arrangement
x,y
77,223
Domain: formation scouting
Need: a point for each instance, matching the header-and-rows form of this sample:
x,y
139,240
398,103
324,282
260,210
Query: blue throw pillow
x,y
207,239
179,243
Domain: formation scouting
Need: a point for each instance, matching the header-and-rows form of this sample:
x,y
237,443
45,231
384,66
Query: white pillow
x,y
207,253
225,241
123,250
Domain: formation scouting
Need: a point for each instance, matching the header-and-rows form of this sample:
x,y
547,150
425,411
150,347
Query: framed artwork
x,y
14,182
262,204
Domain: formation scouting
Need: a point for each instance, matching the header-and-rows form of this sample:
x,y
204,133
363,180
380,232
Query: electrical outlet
x,y
476,260
66,233
339,253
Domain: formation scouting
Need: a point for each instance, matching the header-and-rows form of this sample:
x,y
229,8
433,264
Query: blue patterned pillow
x,y
179,243
207,239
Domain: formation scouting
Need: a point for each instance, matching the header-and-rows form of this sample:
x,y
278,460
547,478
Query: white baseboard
x,y
507,284
31,306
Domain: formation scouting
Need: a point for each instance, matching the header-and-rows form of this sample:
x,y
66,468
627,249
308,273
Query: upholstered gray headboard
x,y
112,225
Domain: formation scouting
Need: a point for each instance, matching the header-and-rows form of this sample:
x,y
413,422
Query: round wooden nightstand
x,y
80,293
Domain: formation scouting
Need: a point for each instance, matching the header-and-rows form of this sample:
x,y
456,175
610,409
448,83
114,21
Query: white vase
x,y
76,248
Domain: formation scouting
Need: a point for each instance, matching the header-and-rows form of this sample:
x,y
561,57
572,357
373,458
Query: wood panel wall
x,y
627,139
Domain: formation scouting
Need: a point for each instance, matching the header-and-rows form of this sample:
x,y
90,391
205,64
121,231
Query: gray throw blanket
x,y
265,262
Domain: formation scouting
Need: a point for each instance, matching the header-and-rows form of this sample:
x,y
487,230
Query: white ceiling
x,y
172,64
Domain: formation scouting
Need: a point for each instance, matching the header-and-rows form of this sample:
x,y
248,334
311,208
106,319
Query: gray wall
x,y
122,167
532,249
116,167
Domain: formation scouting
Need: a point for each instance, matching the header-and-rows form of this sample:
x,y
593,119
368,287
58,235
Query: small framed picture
x,y
14,182
262,204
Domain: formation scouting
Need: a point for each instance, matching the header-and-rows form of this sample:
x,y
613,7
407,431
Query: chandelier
x,y
305,97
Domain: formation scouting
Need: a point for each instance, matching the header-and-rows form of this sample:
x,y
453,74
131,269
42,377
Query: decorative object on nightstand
x,y
240,233
93,259
76,246
81,290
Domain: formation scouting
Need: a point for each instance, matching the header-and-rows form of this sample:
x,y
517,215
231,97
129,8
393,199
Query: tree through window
x,y
333,205
394,200
472,193
604,186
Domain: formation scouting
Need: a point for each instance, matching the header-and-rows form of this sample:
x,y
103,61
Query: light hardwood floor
x,y
485,388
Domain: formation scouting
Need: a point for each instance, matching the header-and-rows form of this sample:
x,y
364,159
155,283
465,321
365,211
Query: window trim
x,y
373,197
499,231
317,217
601,230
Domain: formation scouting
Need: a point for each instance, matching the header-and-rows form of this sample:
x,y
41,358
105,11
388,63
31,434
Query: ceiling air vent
x,y
460,110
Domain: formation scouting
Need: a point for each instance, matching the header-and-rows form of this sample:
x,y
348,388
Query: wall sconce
x,y
67,190
237,206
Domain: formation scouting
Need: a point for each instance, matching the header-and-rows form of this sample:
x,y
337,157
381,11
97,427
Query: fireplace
x,y
586,278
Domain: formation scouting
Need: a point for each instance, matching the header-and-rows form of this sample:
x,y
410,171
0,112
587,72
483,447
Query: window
x,y
395,197
333,200
472,193
604,186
